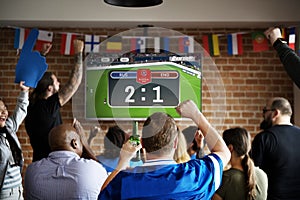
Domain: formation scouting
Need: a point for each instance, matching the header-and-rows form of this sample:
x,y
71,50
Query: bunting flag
x,y
165,43
67,46
211,44
21,35
186,44
283,33
91,43
138,44
235,44
43,38
156,44
259,42
292,37
114,44
298,41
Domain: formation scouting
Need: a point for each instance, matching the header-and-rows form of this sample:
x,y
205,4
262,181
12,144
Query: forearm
x,y
126,154
110,177
20,110
213,139
74,81
122,165
290,61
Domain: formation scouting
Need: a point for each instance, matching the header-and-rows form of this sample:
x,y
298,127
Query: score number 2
x,y
130,90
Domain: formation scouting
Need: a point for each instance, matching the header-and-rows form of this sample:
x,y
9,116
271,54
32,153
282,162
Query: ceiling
x,y
170,14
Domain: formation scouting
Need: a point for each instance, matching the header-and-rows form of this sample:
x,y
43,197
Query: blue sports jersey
x,y
196,179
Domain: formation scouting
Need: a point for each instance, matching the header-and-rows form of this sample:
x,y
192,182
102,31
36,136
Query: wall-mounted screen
x,y
134,91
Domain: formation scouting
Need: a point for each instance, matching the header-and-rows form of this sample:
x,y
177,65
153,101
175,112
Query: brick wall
x,y
249,80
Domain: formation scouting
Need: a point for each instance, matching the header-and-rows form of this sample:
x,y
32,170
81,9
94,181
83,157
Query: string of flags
x,y
185,44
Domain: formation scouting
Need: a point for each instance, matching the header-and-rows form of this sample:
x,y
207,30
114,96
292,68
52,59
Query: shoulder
x,y
36,166
53,97
233,174
210,162
91,164
260,173
264,135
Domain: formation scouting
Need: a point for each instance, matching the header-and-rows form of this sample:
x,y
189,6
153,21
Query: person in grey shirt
x,y
69,172
11,157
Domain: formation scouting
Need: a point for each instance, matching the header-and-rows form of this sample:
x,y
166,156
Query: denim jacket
x,y
12,125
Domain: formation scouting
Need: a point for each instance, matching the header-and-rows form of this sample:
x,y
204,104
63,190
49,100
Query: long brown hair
x,y
239,138
40,91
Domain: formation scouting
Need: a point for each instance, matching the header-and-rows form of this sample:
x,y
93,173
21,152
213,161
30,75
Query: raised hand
x,y
46,48
78,46
188,109
273,34
23,87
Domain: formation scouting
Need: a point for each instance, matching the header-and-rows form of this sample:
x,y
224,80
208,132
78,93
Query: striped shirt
x,y
12,178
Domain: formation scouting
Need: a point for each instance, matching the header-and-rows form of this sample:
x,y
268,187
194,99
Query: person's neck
x,y
283,120
48,94
236,163
158,157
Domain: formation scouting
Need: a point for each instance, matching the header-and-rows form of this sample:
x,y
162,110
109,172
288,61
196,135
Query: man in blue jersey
x,y
160,177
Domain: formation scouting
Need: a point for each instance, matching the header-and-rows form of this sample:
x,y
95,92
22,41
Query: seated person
x,y
160,177
242,180
113,141
69,172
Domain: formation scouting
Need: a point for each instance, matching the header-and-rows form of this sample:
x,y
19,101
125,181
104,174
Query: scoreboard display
x,y
135,91
143,87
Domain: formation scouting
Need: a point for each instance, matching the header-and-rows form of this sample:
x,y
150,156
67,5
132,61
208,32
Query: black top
x,y
277,152
290,61
42,116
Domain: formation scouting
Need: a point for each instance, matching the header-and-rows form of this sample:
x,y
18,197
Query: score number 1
x,y
130,90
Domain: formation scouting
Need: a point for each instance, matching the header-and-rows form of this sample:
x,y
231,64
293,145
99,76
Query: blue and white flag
x,y
91,43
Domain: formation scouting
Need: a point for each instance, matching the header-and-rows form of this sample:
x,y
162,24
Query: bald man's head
x,y
65,137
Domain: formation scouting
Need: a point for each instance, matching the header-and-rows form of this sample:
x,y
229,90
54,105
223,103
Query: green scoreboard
x,y
135,91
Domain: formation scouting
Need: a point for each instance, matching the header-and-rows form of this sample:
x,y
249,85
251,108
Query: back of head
x,y
283,105
113,141
189,133
159,132
239,138
42,86
61,136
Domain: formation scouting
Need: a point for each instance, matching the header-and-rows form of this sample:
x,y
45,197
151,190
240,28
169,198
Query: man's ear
x,y
230,147
175,142
50,88
276,113
74,143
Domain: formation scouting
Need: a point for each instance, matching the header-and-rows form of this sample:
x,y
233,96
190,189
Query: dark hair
x,y
113,141
159,132
40,91
283,105
189,134
1,99
239,138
